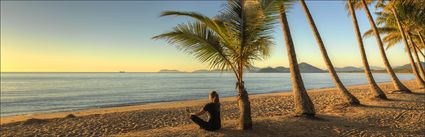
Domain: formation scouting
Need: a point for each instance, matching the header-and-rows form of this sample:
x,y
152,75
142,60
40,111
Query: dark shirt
x,y
214,111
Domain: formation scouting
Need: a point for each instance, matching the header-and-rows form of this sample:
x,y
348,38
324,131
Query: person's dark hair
x,y
215,98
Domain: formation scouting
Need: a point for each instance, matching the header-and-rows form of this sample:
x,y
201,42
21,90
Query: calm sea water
x,y
29,93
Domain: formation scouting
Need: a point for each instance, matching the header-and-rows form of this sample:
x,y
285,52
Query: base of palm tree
x,y
379,97
353,101
245,127
306,116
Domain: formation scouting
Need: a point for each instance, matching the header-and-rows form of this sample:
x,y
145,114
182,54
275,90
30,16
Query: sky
x,y
111,36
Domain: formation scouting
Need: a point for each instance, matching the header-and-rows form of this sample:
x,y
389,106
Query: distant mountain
x,y
266,70
273,70
254,69
405,68
307,68
205,71
170,71
401,69
376,68
359,69
348,69
304,68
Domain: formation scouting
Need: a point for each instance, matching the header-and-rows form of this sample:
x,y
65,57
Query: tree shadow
x,y
289,126
390,107
324,125
417,93
403,100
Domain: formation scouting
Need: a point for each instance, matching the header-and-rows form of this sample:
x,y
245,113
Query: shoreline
x,y
145,103
272,114
114,109
153,105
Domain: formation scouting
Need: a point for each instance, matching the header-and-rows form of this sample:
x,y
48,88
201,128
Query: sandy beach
x,y
402,115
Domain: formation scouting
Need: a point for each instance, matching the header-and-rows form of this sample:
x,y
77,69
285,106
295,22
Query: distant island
x,y
304,68
398,69
208,71
170,71
356,69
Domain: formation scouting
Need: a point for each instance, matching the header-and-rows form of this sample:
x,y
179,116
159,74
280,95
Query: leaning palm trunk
x,y
419,50
376,92
304,107
421,38
397,84
423,43
418,61
419,64
419,81
349,98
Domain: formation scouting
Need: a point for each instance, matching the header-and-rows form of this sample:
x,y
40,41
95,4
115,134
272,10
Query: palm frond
x,y
214,24
357,4
195,38
240,34
392,40
381,30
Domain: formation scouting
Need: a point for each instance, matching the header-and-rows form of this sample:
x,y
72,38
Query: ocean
x,y
32,93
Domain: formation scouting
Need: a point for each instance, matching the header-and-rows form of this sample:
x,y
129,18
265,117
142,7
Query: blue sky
x,y
98,36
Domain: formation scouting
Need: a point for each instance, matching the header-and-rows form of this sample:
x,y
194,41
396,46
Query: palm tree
x,y
413,21
393,7
392,36
304,107
349,98
375,90
232,40
412,62
418,61
396,82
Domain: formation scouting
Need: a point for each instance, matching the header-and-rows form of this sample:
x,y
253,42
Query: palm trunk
x,y
419,81
419,64
418,61
397,84
422,39
304,107
419,50
376,92
423,43
349,98
245,120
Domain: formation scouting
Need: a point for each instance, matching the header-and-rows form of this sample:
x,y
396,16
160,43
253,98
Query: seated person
x,y
213,109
